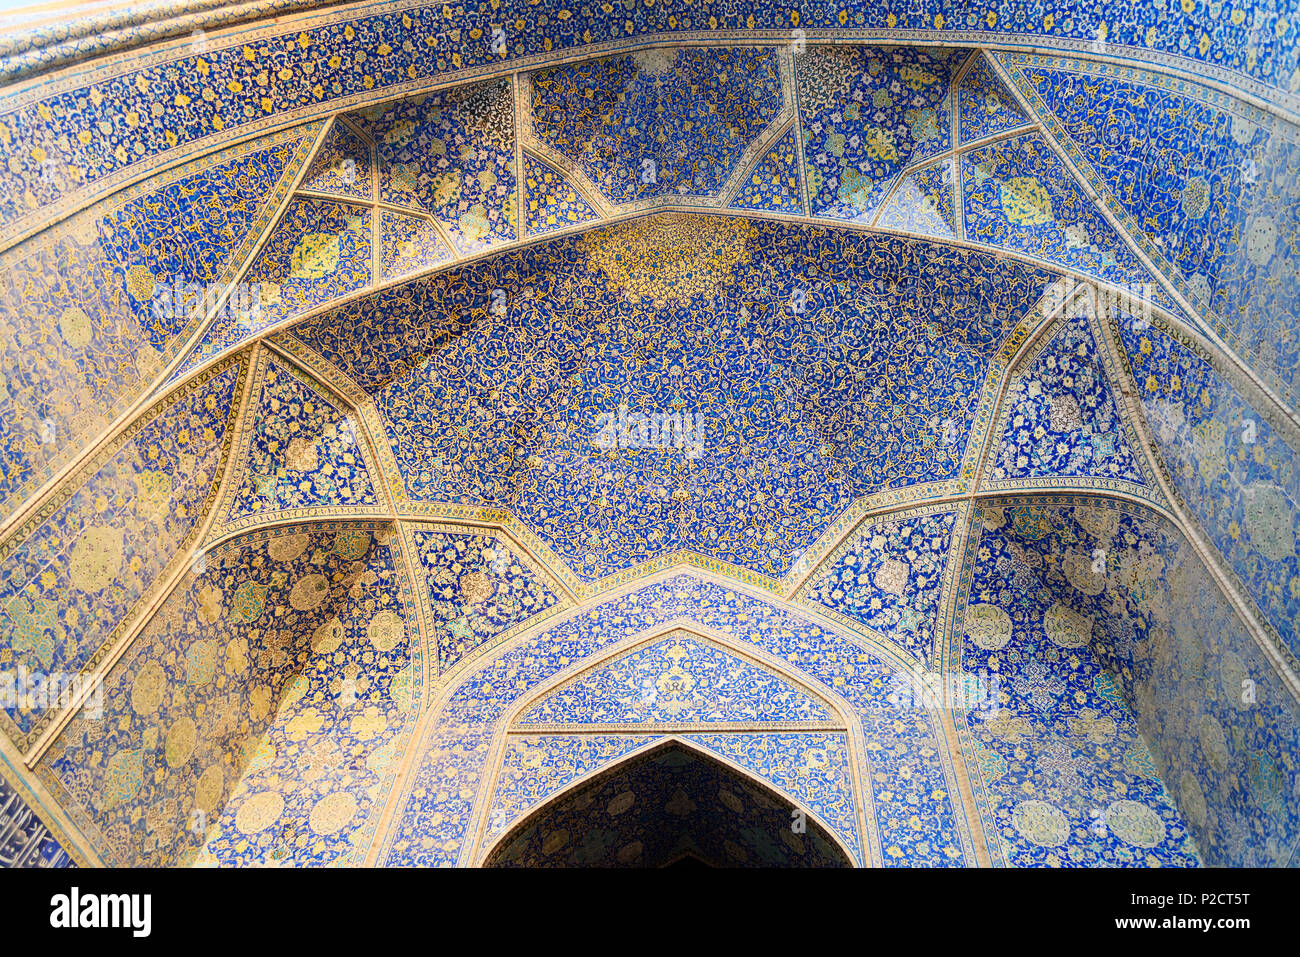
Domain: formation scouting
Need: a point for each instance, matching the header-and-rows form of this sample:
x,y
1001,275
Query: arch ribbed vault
x,y
370,382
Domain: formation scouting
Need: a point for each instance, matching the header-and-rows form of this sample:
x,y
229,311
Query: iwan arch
x,y
987,320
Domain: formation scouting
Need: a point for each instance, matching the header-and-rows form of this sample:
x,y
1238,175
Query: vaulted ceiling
x,y
921,333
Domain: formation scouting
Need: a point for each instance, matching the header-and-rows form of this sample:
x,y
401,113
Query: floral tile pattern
x,y
1060,418
984,105
79,133
867,113
659,122
888,577
1019,194
1095,615
90,310
1206,182
1068,778
913,811
476,587
678,679
71,577
452,155
775,182
923,202
342,166
303,451
320,250
1230,465
552,202
245,663
501,406
410,244
318,775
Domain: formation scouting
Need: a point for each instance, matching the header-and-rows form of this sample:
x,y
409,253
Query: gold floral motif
x,y
476,587
315,256
669,258
96,558
1025,201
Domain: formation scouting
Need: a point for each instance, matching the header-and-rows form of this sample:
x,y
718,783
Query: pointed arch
x,y
846,722
485,854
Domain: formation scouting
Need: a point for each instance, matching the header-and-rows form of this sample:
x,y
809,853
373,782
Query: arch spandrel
x,y
789,829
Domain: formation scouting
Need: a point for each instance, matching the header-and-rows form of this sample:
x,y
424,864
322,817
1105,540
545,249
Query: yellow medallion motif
x,y
333,812
148,688
386,631
76,328
96,558
476,587
259,812
1026,202
181,738
315,256
308,592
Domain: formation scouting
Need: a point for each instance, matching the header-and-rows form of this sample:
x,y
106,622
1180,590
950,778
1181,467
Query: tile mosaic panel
x,y
868,113
1068,778
922,202
148,776
320,250
451,154
91,310
303,450
775,182
320,772
676,680
1059,416
815,367
1236,473
92,126
1019,194
75,573
985,106
889,577
476,588
342,166
552,201
1127,598
409,244
1207,183
913,816
661,122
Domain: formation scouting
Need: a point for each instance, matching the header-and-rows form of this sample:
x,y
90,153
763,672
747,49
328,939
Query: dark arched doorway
x,y
670,806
